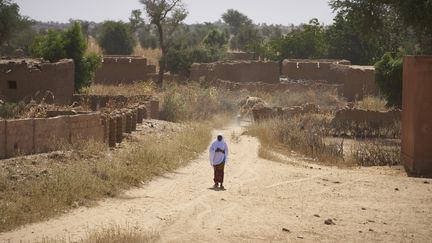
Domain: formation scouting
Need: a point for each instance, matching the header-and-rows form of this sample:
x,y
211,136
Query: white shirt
x,y
217,158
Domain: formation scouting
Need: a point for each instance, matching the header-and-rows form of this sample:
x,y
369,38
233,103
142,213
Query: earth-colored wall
x,y
417,115
28,136
265,87
2,138
358,81
373,118
32,76
310,69
242,71
123,70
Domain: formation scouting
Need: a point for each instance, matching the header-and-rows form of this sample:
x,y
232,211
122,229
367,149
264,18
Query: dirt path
x,y
262,199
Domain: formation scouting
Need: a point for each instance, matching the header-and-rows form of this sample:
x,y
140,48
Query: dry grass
x,y
113,234
194,102
34,190
327,100
117,234
372,103
137,88
302,134
377,153
267,153
93,47
152,55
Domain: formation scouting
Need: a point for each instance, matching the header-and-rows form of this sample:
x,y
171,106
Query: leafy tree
x,y
235,20
50,47
215,38
15,30
135,20
115,38
10,19
56,45
388,75
166,15
306,42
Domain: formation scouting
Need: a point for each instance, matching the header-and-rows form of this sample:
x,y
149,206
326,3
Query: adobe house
x,y
124,70
23,78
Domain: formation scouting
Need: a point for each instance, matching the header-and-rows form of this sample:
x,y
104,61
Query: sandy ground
x,y
264,202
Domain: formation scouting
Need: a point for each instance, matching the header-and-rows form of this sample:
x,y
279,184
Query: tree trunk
x,y
162,63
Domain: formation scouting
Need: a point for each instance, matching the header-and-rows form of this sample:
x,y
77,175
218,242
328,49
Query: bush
x,y
50,46
389,75
115,38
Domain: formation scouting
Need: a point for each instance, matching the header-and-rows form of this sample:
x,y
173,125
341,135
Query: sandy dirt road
x,y
264,202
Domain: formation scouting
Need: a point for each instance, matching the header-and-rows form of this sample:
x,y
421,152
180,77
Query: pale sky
x,y
269,11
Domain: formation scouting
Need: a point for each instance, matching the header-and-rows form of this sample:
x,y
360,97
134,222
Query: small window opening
x,y
12,85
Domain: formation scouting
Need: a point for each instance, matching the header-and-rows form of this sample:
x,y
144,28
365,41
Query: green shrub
x,y
389,75
115,38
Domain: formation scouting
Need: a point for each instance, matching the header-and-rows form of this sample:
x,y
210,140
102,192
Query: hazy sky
x,y
269,11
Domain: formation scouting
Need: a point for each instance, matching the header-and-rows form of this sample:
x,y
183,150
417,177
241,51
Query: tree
x,y
56,45
10,19
115,38
388,75
50,47
215,39
135,20
235,20
15,30
305,42
166,15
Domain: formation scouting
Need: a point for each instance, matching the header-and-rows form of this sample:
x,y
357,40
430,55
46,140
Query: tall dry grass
x,y
194,102
29,193
137,88
302,134
307,135
372,103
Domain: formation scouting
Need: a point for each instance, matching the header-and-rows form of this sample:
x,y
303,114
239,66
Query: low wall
x,y
372,118
358,81
29,136
23,78
264,87
123,70
271,112
242,71
310,69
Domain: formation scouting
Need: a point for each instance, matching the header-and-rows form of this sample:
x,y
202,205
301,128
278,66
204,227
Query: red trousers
x,y
219,173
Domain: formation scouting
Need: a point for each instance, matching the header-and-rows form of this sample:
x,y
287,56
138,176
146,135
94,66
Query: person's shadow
x,y
217,189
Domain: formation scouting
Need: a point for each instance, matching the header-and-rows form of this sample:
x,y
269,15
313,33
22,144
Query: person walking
x,y
218,159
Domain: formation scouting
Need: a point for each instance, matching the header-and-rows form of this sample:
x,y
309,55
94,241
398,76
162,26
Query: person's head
x,y
220,137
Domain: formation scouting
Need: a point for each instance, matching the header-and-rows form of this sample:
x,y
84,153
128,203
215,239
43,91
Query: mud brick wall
x,y
309,69
264,87
252,71
372,118
123,70
29,136
49,131
358,81
2,139
417,115
85,127
24,78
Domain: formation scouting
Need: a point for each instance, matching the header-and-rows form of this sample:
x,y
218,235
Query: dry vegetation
x,y
33,189
137,88
372,103
114,234
307,135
